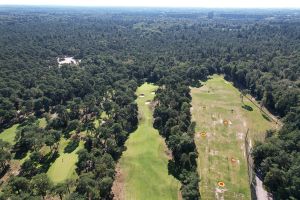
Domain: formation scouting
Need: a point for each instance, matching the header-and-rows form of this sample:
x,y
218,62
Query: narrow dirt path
x,y
261,193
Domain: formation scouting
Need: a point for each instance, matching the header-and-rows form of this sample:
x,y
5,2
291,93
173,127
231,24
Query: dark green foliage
x,y
119,50
173,120
5,156
278,159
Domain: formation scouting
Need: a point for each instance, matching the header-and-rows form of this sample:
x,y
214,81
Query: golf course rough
x,y
217,109
144,164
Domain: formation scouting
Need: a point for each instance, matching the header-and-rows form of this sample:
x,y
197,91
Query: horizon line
x,y
133,6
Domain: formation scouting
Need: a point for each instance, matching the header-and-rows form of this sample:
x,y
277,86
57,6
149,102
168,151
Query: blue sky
x,y
164,3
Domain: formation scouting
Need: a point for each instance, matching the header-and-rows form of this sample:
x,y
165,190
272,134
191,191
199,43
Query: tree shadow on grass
x,y
247,107
48,160
266,117
72,145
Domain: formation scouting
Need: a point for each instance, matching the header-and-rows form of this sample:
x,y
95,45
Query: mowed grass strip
x,y
8,135
145,164
221,151
64,166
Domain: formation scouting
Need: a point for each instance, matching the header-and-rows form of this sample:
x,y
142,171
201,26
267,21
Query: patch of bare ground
x,y
168,153
13,170
219,193
179,195
118,185
52,198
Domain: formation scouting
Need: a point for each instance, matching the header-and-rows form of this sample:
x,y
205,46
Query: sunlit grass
x,y
144,163
8,135
212,103
64,166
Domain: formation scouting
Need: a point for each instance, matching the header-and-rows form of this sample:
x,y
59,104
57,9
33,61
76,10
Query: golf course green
x,y
64,166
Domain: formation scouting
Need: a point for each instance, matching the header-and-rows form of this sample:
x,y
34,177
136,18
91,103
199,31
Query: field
x,y
142,170
222,122
64,166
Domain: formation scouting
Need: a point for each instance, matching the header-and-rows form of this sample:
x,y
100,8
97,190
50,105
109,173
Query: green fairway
x,y
143,165
221,151
9,134
64,166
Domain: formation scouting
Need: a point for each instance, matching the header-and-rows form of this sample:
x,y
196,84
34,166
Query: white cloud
x,y
164,3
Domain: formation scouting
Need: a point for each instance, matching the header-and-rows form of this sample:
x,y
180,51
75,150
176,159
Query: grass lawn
x,y
64,166
9,134
221,151
144,163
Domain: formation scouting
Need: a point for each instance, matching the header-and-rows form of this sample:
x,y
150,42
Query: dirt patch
x,y
245,124
169,154
118,185
48,197
219,193
179,195
243,149
213,152
240,136
13,170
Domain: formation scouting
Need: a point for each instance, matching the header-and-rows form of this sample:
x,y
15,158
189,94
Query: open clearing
x,y
222,124
64,166
142,170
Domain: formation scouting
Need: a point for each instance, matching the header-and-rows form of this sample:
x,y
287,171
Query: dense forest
x,y
119,50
